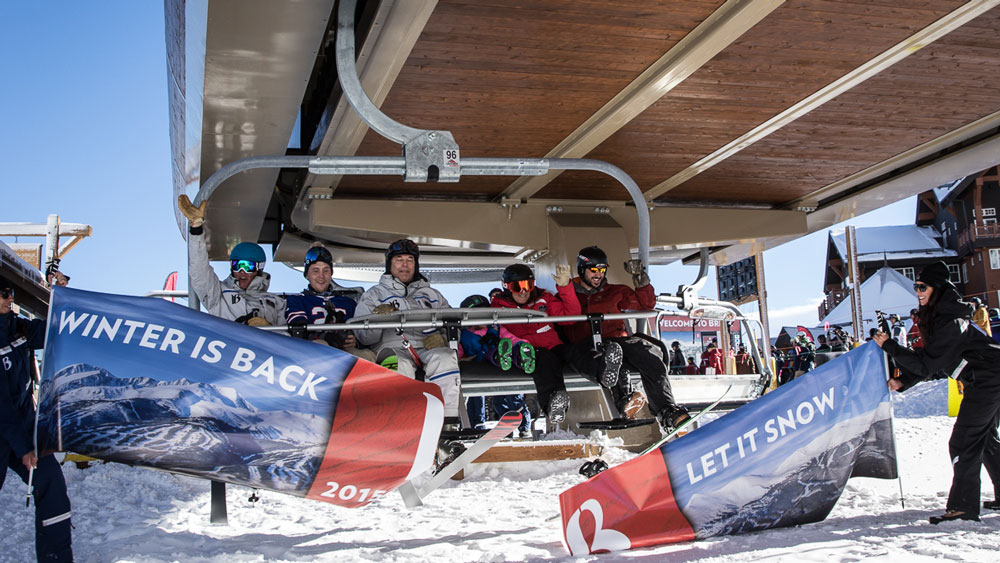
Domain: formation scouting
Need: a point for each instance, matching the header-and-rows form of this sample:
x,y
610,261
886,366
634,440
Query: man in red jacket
x,y
621,351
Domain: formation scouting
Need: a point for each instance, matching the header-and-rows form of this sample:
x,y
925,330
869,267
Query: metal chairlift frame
x,y
430,156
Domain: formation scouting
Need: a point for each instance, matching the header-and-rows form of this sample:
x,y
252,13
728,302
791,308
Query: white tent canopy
x,y
887,291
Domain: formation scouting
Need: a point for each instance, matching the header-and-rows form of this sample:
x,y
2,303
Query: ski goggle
x,y
248,266
6,293
920,287
521,285
403,246
598,269
317,255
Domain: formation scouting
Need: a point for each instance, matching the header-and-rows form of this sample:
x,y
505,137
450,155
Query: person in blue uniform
x,y
19,338
324,301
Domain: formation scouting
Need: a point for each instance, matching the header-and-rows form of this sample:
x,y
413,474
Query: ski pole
x,y
892,430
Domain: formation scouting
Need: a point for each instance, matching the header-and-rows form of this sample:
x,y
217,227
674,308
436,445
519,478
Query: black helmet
x,y
590,257
475,301
404,246
318,253
517,272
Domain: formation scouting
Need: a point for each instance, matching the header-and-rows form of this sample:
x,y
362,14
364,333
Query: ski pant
x,y
975,427
548,375
52,511
991,456
440,368
639,355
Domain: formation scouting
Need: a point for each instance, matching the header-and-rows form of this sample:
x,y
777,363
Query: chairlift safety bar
x,y
434,323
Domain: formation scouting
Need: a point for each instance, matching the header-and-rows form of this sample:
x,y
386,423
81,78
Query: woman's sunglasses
x,y
920,287
6,293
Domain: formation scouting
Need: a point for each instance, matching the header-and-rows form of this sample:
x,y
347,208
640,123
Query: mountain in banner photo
x,y
800,486
183,426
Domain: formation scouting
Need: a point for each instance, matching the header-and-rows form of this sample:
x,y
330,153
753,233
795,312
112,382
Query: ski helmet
x,y
404,246
517,272
590,257
317,253
475,301
248,251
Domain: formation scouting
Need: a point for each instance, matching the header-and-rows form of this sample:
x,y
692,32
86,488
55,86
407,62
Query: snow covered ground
x,y
498,513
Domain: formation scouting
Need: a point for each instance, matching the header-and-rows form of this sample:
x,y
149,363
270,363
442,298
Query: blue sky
x,y
86,136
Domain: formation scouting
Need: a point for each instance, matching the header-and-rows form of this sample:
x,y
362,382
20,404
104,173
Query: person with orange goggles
x,y
520,292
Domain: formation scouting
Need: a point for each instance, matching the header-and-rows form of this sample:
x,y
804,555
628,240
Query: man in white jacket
x,y
241,297
402,287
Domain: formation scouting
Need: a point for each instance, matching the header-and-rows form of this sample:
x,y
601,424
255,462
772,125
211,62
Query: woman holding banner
x,y
954,345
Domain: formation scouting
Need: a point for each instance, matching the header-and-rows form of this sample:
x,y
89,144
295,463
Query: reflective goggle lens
x,y
405,246
248,266
522,285
598,269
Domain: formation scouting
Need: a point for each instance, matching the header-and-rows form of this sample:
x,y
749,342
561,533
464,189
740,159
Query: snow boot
x,y
612,364
991,504
633,405
558,405
524,358
503,354
953,515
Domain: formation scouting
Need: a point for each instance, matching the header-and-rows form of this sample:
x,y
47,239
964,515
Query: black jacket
x,y
18,339
954,337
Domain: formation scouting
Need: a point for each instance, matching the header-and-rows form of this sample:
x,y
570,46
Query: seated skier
x,y
324,301
496,345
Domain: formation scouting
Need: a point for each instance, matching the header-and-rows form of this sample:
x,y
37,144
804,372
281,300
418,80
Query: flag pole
x,y
892,427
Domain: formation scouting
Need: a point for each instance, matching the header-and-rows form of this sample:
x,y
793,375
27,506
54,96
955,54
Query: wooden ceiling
x,y
515,79
827,107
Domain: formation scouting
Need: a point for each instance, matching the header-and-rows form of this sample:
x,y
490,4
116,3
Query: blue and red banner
x,y
148,382
782,460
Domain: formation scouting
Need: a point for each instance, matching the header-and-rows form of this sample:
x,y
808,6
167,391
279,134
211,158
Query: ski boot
x,y
524,358
612,364
503,355
558,405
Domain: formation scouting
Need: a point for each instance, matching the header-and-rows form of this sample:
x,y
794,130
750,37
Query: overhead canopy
x,y
744,123
887,291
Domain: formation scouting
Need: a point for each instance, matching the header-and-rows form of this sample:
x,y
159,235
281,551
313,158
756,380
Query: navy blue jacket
x,y
19,337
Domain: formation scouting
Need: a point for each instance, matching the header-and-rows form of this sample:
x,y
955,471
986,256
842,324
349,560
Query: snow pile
x,y
499,512
929,398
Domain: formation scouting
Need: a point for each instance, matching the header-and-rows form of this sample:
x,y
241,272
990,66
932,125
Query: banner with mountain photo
x,y
781,460
148,382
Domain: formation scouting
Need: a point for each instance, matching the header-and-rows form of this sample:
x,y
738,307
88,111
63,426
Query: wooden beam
x,y
539,451
704,42
886,59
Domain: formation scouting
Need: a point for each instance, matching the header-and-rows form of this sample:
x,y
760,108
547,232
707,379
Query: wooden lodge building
x,y
956,223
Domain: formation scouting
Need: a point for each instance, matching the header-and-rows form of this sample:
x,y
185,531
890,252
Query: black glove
x,y
297,329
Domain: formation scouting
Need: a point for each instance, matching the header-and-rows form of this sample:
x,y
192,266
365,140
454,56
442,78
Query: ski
x,y
412,496
687,422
